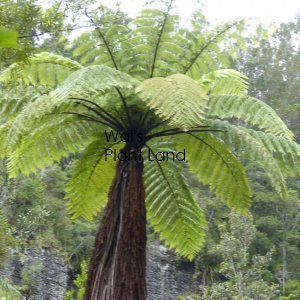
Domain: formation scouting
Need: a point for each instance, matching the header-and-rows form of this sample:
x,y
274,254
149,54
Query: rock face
x,y
165,280
51,281
49,274
44,273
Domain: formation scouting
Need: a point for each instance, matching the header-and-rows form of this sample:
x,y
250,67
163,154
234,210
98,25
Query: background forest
x,y
255,256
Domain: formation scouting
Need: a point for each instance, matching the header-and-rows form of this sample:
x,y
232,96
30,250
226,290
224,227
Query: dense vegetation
x,y
33,206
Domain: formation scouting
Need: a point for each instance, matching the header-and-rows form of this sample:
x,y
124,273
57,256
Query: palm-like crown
x,y
153,76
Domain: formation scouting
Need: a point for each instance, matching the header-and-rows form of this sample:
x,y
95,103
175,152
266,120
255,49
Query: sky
x,y
217,11
267,10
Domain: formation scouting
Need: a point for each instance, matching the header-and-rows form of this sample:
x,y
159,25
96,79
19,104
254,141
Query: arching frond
x,y
92,176
51,140
14,99
244,142
26,121
248,109
170,204
176,97
224,81
206,52
216,166
94,80
44,68
285,151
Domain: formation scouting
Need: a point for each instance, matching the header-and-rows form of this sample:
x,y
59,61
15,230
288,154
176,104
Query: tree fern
x,y
14,99
159,85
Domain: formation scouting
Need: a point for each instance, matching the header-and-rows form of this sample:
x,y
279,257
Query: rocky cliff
x,y
41,272
45,274
165,279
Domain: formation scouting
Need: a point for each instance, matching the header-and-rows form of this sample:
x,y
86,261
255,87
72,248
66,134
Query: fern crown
x,y
171,91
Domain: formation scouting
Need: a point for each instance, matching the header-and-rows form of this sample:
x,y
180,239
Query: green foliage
x,y
250,110
31,21
246,143
92,81
272,66
9,292
8,38
4,239
292,289
224,81
79,282
29,274
244,276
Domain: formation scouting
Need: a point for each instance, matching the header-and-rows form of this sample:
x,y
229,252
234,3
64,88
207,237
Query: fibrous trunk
x,y
117,268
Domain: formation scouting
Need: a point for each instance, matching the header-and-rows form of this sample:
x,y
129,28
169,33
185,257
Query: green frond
x,y
155,30
85,47
27,120
116,30
205,49
45,68
170,205
14,99
10,290
4,129
53,138
177,98
92,176
107,40
94,80
285,151
216,166
244,142
224,81
105,60
92,56
248,109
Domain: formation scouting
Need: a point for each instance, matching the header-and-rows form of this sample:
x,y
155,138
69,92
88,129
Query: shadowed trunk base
x,y
117,268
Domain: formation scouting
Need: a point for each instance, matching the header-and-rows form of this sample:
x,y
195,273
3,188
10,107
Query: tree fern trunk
x,y
117,268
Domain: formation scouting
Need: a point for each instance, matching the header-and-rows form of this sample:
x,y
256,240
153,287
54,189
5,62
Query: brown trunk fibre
x,y
117,268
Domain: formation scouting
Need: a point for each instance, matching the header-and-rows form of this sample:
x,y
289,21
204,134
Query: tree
x,y
244,279
151,96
